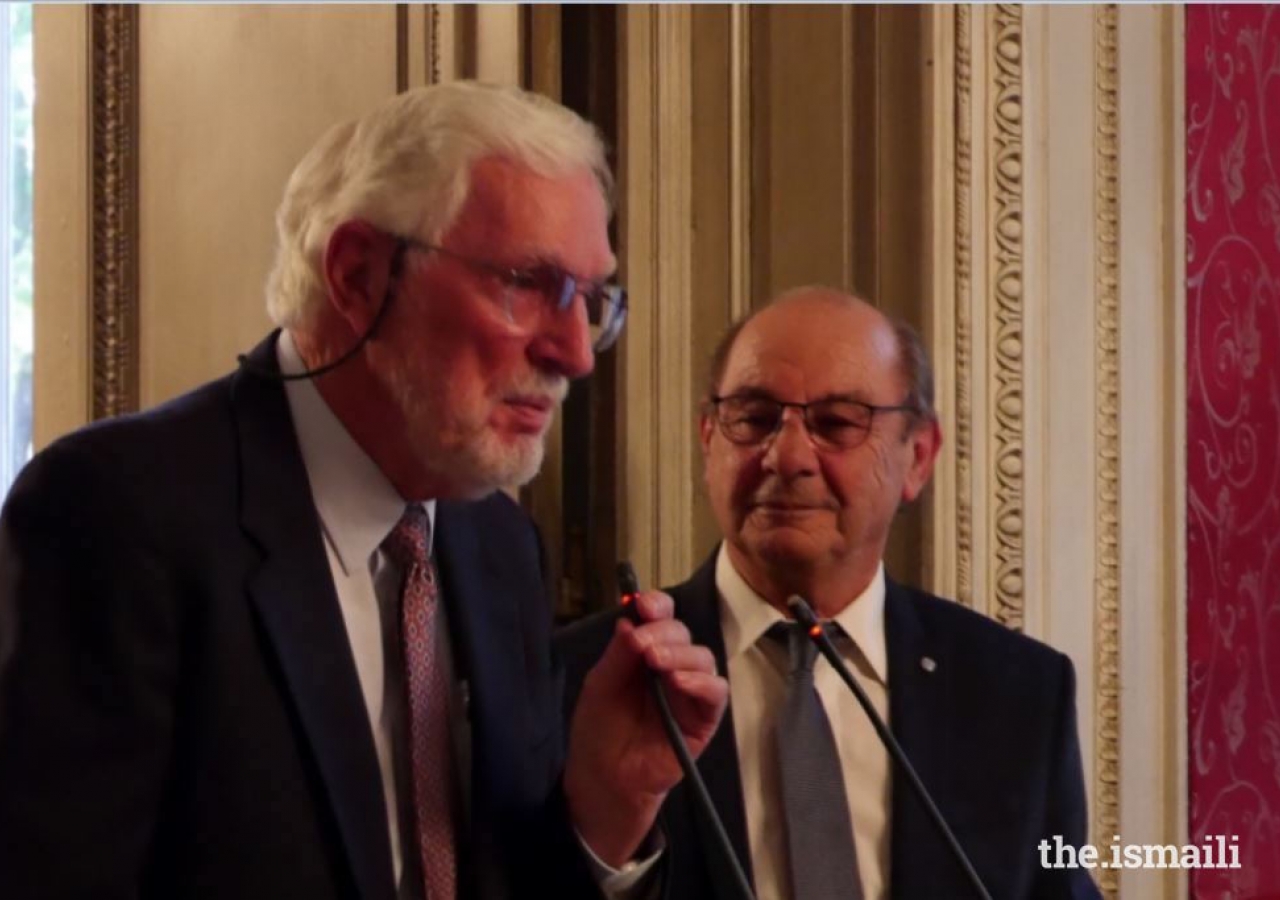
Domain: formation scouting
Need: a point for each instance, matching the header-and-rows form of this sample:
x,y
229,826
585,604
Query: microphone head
x,y
627,581
801,610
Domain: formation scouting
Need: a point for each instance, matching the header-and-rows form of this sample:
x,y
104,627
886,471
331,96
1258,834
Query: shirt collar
x,y
357,505
745,615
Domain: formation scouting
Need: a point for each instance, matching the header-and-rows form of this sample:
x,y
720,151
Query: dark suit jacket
x,y
180,714
991,732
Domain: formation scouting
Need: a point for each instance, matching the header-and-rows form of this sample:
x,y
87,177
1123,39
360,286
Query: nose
x,y
562,345
790,452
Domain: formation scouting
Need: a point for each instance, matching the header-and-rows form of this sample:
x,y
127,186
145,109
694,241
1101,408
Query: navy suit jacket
x,y
991,732
180,715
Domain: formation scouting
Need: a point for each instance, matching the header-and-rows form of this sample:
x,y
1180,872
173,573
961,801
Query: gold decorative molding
x,y
1106,439
1005,316
433,17
964,299
113,243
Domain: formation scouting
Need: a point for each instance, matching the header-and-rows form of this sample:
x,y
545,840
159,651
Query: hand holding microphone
x,y
621,764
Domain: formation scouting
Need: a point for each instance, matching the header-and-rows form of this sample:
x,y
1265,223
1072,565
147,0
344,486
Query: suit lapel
x,y
293,592
919,715
488,660
698,606
484,626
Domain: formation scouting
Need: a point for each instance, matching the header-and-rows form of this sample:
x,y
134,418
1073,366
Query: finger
x,y
664,632
680,657
698,701
654,605
701,687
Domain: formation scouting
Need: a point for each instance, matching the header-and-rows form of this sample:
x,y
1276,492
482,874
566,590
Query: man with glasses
x,y
818,423
284,636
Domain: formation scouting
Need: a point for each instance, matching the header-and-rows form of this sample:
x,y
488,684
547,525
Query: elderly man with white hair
x,y
283,636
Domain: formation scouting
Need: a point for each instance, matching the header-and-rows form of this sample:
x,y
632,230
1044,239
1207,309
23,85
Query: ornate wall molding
x,y
417,45
1005,314
113,244
433,43
1106,438
963,302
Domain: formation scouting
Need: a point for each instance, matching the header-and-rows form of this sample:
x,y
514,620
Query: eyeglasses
x,y
528,292
833,424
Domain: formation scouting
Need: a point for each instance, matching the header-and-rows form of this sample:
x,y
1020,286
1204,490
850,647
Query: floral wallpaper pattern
x,y
1233,440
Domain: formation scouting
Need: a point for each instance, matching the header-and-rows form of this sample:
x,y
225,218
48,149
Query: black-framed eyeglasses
x,y
833,423
527,293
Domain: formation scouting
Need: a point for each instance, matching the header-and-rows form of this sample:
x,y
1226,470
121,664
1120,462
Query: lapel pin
x,y
928,664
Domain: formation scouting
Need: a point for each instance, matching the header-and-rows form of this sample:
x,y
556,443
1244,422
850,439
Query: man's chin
x,y
479,472
785,546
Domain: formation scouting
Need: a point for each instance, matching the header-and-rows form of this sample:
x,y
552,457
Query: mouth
x,y
529,414
777,507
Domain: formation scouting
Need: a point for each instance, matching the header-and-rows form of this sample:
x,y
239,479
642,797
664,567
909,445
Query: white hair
x,y
405,168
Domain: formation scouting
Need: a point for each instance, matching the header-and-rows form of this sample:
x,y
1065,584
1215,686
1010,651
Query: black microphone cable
x,y
805,616
630,590
393,281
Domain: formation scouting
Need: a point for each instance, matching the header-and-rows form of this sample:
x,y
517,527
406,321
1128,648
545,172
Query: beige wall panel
x,y
498,43
61,221
716,173
801,125
231,97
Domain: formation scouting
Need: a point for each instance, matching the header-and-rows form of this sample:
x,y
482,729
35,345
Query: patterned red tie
x,y
431,751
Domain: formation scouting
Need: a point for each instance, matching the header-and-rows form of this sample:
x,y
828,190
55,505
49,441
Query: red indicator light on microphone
x,y
815,631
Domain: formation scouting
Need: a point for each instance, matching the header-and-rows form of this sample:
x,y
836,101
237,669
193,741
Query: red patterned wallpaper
x,y
1233,440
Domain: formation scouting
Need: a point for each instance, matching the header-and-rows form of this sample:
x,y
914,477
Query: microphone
x,y
805,616
630,591
393,280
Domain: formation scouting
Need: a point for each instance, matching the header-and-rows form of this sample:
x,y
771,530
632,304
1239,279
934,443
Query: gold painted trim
x,y
113,240
963,301
432,27
1106,438
1006,314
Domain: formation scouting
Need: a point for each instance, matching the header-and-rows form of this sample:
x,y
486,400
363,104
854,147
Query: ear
x,y
357,268
923,444
706,427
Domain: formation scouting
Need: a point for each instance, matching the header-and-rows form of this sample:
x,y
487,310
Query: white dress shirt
x,y
757,669
358,507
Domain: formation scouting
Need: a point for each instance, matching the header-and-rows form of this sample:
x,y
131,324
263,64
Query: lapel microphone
x,y
805,616
630,588
393,280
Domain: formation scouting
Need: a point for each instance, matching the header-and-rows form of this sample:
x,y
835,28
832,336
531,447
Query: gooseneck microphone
x,y
630,591
805,616
393,280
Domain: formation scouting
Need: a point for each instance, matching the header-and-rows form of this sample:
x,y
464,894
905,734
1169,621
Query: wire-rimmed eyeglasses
x,y
833,423
528,292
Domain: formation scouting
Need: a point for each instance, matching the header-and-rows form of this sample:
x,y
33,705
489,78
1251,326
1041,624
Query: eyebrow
x,y
540,259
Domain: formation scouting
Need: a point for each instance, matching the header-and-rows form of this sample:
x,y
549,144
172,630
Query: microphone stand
x,y
805,616
630,590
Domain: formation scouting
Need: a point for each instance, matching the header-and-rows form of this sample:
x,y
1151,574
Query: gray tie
x,y
824,864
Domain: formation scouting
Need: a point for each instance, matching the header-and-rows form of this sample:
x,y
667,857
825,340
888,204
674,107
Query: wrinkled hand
x,y
620,765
